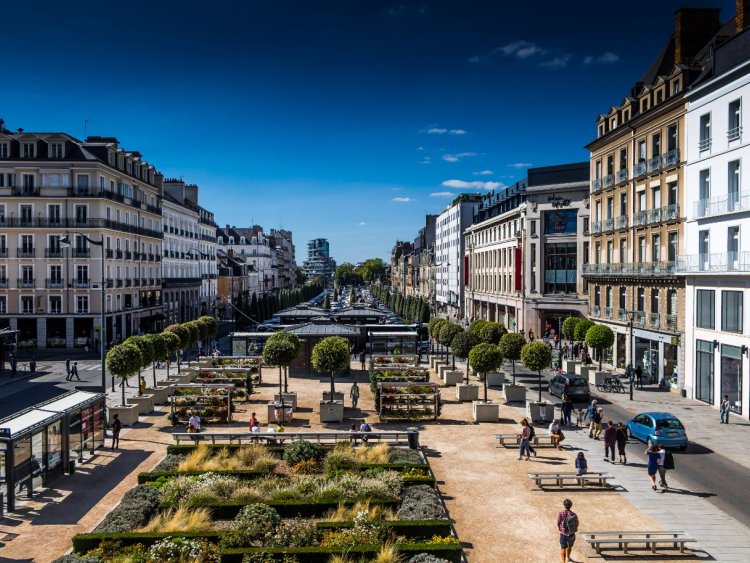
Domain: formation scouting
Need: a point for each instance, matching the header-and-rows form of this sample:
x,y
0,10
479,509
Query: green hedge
x,y
86,542
322,554
243,474
422,529
227,510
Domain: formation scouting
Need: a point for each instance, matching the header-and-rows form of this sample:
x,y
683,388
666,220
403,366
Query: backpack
x,y
532,432
669,461
571,522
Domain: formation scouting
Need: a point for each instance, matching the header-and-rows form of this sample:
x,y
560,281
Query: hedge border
x,y
453,553
227,510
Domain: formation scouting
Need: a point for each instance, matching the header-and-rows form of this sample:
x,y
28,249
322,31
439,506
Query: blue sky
x,y
344,119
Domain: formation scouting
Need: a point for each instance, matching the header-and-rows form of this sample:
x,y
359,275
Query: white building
x,y
449,255
717,265
283,259
250,245
208,265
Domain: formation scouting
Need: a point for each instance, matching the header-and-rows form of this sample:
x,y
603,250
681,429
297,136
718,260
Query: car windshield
x,y
669,424
578,383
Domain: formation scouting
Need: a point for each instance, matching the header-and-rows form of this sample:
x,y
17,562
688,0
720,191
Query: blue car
x,y
659,428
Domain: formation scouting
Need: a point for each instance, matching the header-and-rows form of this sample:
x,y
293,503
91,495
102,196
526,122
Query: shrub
x,y
170,463
184,550
138,505
420,502
363,532
302,450
404,455
306,467
427,558
388,554
181,519
581,328
295,533
252,526
340,460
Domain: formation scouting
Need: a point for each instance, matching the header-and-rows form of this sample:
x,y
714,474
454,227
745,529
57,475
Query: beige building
x,y
52,184
638,207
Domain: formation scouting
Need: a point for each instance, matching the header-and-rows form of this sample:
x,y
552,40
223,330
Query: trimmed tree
x,y
279,353
447,332
484,358
536,356
581,328
434,326
331,355
491,333
147,354
600,337
295,342
123,361
569,327
476,327
183,334
159,351
462,344
511,345
195,334
326,303
171,346
209,327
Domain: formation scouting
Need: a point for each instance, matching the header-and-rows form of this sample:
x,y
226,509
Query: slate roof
x,y
323,329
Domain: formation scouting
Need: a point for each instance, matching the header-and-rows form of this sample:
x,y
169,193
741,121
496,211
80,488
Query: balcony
x,y
726,262
607,312
110,283
734,133
81,253
609,181
53,253
118,254
595,311
596,185
621,222
81,284
26,283
622,315
639,318
596,227
128,283
653,216
128,255
4,282
144,281
704,144
118,283
670,212
733,202
110,253
639,218
654,165
671,159
631,269
136,282
671,322
622,176
639,169
653,319
3,252
172,282
26,252
55,283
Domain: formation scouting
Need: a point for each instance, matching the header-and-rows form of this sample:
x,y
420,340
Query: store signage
x,y
558,201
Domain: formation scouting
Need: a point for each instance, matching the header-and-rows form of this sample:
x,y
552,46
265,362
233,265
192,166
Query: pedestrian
x,y
67,369
567,524
364,427
639,376
652,453
582,466
575,350
32,364
556,434
598,416
253,423
666,462
524,439
532,432
566,350
141,385
610,439
74,372
362,359
567,410
590,412
724,410
353,434
116,427
13,366
622,439
354,394
629,371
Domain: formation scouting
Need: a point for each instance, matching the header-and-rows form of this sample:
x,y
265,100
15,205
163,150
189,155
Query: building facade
x,y
52,184
716,263
402,265
251,246
283,259
207,263
319,263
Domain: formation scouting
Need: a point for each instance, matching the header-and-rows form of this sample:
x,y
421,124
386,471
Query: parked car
x,y
574,385
659,428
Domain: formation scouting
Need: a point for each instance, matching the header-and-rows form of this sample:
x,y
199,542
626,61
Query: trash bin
x,y
412,435
71,467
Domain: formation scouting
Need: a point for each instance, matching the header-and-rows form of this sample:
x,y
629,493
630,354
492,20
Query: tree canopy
x,y
182,333
600,337
331,355
511,345
345,275
536,356
484,358
371,269
582,327
569,327
145,347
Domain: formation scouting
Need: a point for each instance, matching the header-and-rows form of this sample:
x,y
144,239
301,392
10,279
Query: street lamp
x,y
65,243
631,316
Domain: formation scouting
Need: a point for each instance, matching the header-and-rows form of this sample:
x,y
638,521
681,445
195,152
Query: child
x,y
582,465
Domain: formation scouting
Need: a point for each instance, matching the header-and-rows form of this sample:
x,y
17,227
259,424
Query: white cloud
x,y
420,148
444,131
518,165
402,199
483,173
458,156
608,57
361,224
521,50
442,194
457,132
560,61
474,185
425,160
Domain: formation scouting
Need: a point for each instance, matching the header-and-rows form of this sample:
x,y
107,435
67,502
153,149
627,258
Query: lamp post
x,y
631,316
65,243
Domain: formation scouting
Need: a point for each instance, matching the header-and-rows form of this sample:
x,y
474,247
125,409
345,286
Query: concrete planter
x,y
337,396
332,411
495,379
145,403
485,412
540,412
276,414
584,371
570,365
597,377
182,379
452,377
467,392
128,414
161,394
514,393
438,364
287,398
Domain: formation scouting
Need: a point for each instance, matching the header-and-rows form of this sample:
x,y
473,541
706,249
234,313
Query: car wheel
x,y
682,448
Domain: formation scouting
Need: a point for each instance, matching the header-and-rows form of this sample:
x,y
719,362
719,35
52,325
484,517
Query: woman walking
x,y
652,453
622,439
525,436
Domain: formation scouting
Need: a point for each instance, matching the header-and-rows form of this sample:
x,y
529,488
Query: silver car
x,y
573,385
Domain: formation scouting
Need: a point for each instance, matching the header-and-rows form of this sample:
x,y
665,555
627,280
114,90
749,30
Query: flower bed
x,y
398,359
405,400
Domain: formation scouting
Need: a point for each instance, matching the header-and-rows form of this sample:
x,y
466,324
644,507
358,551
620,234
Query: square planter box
x,y
583,371
182,379
433,359
332,411
337,396
540,412
287,398
275,409
570,365
452,377
485,412
160,394
145,403
495,379
128,414
597,377
438,364
467,392
514,393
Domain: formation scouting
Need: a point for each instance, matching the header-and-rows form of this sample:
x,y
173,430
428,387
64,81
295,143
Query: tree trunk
x,y
280,383
467,371
539,373
601,353
167,368
122,385
139,382
514,371
178,360
153,367
485,387
333,390
454,362
286,379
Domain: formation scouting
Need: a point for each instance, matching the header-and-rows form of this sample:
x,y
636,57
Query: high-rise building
x,y
319,263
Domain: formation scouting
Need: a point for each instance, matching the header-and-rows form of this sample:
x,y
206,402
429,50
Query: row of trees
x,y
598,337
138,352
264,307
413,309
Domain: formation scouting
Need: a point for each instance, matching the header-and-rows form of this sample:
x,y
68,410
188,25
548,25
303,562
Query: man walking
x,y
354,394
116,427
67,369
590,412
74,372
665,462
362,358
567,524
724,410
610,439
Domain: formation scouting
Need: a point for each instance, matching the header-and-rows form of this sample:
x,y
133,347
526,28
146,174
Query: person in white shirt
x,y
194,424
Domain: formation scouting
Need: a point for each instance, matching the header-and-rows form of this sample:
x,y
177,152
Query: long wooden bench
x,y
597,478
649,538
507,440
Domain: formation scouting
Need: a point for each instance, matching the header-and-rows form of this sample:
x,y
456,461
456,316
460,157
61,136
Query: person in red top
x,y
610,439
253,422
567,525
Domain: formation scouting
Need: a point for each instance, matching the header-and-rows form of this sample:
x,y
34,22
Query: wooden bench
x,y
597,478
507,440
649,538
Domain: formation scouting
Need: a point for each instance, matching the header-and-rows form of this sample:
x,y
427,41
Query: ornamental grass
x,y
181,519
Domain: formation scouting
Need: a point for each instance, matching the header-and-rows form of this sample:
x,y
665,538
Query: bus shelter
x,y
247,343
402,342
37,444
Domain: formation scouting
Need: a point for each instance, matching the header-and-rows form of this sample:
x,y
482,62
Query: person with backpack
x,y
590,412
524,439
567,525
665,463
582,466
622,439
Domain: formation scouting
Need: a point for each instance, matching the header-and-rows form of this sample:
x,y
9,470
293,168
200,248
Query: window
x,y
655,248
644,105
82,304
4,151
731,376
704,139
623,204
671,302
53,214
610,252
704,371
623,250
623,295
533,262
610,164
733,186
655,299
734,122
28,150
3,304
733,247
56,150
82,273
731,311
598,170
672,138
597,296
597,253
659,96
55,304
27,305
672,247
656,144
642,150
641,249
608,302
704,191
55,275
675,87
705,312
641,299
703,246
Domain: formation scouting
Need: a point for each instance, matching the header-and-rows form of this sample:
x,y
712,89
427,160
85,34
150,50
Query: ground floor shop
x,y
505,309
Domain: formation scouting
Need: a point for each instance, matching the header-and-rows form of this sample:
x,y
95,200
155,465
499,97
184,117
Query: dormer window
x,y
659,96
644,105
4,150
626,115
56,150
28,150
676,87
138,172
120,162
613,123
129,167
111,158
231,240
600,130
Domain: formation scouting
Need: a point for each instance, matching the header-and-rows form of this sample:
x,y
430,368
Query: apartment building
x,y
93,191
424,260
402,268
252,246
181,276
319,263
638,207
716,258
283,259
207,263
450,269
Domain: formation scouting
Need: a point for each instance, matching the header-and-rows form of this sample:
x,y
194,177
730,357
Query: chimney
x,y
742,17
692,30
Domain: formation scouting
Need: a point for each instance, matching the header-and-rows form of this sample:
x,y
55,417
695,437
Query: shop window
x,y
705,308
731,311
731,376
704,371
